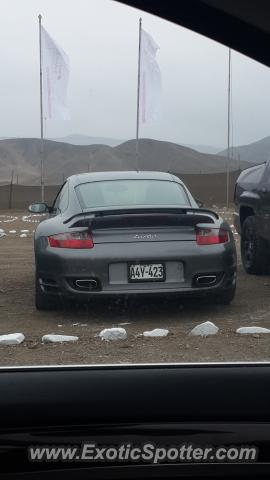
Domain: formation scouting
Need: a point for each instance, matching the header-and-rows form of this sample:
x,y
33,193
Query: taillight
x,y
71,240
211,236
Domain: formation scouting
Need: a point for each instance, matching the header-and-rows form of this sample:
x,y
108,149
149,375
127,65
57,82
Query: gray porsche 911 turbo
x,y
123,233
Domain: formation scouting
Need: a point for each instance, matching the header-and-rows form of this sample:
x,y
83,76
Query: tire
x,y
254,251
43,300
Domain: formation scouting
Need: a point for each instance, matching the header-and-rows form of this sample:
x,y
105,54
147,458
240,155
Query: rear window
x,y
254,175
126,193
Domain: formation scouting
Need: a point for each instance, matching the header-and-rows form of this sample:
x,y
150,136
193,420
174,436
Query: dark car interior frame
x,y
220,404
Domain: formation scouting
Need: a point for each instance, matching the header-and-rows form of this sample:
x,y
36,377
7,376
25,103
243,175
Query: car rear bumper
x,y
58,270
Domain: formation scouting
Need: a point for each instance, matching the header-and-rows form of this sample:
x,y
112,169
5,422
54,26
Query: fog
x,y
101,39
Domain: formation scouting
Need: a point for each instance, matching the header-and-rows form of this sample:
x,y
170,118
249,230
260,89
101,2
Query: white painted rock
x,y
204,329
12,339
157,332
116,333
12,231
23,235
252,330
59,338
2,233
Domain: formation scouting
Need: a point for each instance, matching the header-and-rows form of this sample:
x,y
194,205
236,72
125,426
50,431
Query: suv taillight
x,y
211,236
71,240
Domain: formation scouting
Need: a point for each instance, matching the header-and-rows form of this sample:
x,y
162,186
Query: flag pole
x,y
41,115
228,133
138,96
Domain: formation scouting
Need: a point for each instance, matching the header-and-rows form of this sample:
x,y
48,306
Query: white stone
x,y
115,333
51,338
157,332
12,339
252,330
204,329
12,231
23,235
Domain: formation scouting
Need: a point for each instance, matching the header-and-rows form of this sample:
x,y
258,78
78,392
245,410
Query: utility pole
x,y
11,190
41,115
138,96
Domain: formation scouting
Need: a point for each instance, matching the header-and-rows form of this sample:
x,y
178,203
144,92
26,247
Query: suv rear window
x,y
255,174
125,193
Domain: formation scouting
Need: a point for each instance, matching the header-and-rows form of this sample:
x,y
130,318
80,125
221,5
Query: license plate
x,y
154,272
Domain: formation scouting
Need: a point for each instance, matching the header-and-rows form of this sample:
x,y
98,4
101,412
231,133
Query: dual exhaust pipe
x,y
205,280
86,284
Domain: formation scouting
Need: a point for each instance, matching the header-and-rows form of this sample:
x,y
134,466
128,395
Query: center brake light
x,y
71,240
211,236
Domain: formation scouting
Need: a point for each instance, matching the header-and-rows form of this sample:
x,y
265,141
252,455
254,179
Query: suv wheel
x,y
253,248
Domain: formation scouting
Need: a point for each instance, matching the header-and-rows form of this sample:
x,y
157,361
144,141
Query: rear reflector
x,y
71,240
211,236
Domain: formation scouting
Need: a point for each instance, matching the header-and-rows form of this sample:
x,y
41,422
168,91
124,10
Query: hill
x,y
253,153
204,148
63,159
76,139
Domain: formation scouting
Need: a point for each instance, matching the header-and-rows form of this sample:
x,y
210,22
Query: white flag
x,y
55,75
150,79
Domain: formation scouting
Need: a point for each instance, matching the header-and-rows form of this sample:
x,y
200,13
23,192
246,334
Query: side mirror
x,y
38,208
199,203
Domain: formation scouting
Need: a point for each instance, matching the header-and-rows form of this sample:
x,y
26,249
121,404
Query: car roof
x,y
121,175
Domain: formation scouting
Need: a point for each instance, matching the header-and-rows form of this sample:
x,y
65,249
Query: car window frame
x,y
55,210
63,192
247,399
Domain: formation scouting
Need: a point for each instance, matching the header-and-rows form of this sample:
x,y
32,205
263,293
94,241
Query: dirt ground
x,y
18,314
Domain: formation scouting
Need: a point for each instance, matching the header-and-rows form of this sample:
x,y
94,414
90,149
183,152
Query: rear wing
x,y
144,217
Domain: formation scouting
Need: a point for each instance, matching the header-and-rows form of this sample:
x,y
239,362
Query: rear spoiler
x,y
145,212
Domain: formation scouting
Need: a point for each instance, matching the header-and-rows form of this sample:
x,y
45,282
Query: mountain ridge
x,y
23,157
251,153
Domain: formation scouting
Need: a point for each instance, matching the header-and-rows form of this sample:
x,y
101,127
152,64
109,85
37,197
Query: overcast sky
x,y
101,39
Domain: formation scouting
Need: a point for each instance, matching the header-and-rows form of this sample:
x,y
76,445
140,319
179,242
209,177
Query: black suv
x,y
252,217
